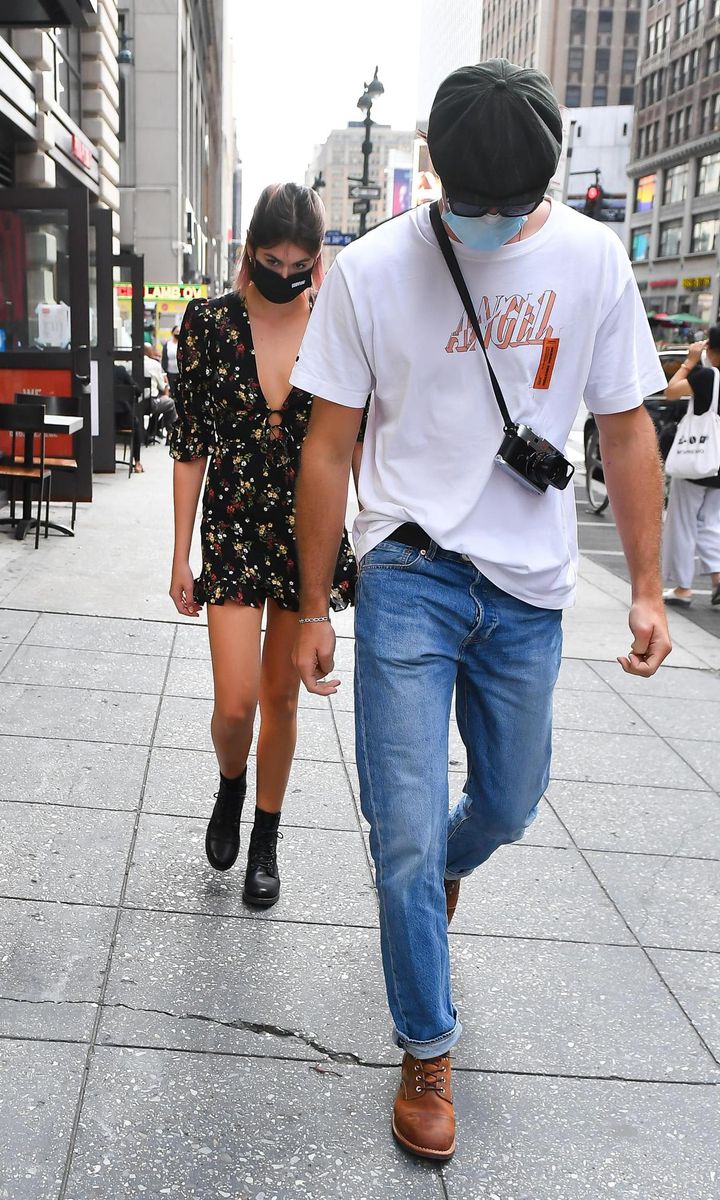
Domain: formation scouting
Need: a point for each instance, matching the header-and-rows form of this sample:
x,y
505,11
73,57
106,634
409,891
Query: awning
x,y
39,14
683,318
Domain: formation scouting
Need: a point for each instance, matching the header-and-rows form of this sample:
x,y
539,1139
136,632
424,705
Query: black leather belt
x,y
410,535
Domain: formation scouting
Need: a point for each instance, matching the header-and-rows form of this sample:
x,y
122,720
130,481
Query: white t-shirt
x,y
388,320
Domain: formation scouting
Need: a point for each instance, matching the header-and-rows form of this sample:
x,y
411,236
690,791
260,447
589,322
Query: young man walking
x,y
467,557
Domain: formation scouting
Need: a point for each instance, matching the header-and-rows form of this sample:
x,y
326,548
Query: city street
x,y
160,1039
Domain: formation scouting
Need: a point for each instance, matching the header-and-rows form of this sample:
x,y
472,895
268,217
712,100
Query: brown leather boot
x,y
452,895
423,1114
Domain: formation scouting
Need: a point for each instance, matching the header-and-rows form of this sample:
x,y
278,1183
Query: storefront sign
x,y
81,152
662,283
696,283
153,292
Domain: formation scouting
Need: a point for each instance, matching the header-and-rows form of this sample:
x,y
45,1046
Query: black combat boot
x,y
222,840
262,878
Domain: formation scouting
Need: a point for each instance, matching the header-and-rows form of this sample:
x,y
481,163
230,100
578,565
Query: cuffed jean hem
x,y
432,1049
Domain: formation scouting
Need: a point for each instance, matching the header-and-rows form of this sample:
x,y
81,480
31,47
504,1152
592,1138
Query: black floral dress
x,y
248,518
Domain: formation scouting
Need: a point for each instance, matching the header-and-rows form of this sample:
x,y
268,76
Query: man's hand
x,y
651,639
314,657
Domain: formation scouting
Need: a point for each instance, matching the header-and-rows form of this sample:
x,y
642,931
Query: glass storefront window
x,y
640,249
708,180
34,280
670,237
645,193
704,235
676,182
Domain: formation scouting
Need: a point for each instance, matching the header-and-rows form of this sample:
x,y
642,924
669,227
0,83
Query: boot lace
x,y
263,853
430,1075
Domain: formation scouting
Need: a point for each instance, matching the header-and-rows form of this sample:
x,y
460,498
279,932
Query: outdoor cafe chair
x,y
57,406
27,420
136,407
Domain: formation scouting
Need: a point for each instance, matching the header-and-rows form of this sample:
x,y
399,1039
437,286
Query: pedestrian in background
x,y
692,521
465,567
169,358
161,402
237,408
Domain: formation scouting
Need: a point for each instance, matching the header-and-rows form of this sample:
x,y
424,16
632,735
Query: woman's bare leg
x,y
279,685
235,650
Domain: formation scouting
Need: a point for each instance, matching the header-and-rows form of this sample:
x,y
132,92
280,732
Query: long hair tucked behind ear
x,y
285,212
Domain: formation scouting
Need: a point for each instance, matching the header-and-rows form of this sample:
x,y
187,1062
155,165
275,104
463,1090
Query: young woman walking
x,y
236,408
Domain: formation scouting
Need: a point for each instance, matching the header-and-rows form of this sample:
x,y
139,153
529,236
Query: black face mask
x,y
276,289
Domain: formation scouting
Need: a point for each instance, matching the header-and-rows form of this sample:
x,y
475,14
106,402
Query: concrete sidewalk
x,y
159,1039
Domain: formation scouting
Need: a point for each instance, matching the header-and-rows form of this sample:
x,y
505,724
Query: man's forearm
x,y
320,502
633,476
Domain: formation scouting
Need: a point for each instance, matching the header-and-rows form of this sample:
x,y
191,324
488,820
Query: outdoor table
x,y
52,424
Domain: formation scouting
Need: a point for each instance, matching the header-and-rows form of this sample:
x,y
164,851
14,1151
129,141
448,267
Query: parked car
x,y
665,416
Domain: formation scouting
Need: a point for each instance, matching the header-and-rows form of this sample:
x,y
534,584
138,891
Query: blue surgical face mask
x,y
483,233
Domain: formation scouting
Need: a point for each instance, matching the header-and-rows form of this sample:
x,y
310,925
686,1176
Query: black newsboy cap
x,y
495,132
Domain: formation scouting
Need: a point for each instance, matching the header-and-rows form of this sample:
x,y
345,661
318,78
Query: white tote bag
x,y
695,452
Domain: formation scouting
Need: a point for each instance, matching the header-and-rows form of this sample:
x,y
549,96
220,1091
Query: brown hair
x,y
285,212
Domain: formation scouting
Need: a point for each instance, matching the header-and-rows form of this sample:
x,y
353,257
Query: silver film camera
x,y
533,461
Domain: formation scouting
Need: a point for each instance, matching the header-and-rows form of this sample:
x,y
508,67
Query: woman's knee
x,y
236,712
279,702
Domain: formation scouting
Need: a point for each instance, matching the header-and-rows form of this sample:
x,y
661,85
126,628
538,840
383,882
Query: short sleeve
x,y
334,360
193,435
625,366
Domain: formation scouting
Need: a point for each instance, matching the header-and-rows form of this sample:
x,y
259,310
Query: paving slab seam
x,y
22,639
655,969
613,782
77,687
111,950
628,698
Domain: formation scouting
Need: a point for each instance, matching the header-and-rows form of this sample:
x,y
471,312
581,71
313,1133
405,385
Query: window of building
x,y
708,179
602,60
712,58
599,95
676,184
645,193
577,22
605,20
670,236
627,95
572,95
704,235
576,55
66,70
629,61
671,129
640,247
632,22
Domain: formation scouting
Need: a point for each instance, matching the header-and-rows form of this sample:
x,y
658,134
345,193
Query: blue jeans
x,y
425,624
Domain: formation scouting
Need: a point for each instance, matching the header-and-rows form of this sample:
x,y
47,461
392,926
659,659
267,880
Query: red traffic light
x,y
593,192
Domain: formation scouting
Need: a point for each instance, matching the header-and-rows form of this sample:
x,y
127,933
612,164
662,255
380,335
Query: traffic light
x,y
593,201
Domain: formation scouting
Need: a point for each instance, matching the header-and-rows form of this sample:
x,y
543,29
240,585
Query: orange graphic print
x,y
508,322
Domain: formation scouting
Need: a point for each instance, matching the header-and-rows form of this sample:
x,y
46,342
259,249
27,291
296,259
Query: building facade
x,y
673,225
588,50
339,160
449,38
177,139
59,99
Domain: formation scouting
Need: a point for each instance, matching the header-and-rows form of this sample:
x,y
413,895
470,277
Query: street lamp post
x,y
371,91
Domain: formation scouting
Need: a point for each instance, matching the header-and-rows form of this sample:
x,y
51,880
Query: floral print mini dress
x,y
248,515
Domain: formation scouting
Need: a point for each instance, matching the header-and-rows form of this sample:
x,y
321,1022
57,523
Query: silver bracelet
x,y
311,620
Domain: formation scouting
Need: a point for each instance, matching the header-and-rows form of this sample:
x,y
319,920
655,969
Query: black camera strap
x,y
445,245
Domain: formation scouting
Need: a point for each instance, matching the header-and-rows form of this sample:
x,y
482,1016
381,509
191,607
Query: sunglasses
x,y
461,209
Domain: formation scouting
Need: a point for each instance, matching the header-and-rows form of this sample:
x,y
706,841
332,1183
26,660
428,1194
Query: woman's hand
x,y
181,590
695,353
